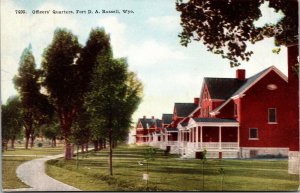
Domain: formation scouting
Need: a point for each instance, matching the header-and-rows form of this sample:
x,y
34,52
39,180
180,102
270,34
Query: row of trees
x,y
81,90
13,124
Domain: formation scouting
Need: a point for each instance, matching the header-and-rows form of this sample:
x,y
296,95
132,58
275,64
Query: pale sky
x,y
148,38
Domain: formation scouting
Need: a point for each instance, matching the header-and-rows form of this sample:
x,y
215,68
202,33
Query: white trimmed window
x,y
272,118
253,133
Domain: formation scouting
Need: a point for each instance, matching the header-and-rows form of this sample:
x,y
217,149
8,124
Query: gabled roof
x,y
249,83
253,79
184,109
222,88
145,122
167,118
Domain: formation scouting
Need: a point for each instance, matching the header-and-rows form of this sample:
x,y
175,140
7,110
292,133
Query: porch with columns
x,y
213,134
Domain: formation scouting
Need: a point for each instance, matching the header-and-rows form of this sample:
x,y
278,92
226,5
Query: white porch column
x,y
197,138
220,137
194,136
201,131
167,136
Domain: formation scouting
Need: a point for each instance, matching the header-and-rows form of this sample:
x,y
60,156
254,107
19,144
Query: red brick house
x,y
146,129
242,117
247,117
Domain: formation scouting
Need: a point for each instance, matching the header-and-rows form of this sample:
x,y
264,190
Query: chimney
x,y
152,117
144,117
196,101
293,54
240,74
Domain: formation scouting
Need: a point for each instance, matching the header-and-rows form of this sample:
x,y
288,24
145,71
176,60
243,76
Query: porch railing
x,y
216,145
171,143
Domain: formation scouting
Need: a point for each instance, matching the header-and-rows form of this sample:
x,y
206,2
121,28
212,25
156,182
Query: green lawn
x,y
9,177
11,160
36,151
169,173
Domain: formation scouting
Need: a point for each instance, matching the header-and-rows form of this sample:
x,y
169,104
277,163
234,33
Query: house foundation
x,y
251,152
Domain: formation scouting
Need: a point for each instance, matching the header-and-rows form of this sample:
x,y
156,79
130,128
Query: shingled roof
x,y
245,86
222,88
167,118
170,129
184,109
145,121
215,120
249,81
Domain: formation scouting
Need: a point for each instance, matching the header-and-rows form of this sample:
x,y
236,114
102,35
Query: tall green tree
x,y
62,80
225,26
12,120
67,68
114,96
35,105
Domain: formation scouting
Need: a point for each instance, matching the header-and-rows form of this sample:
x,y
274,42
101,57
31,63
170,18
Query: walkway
x,y
33,174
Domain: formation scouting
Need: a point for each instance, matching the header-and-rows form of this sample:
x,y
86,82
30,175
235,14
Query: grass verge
x,y
36,151
13,158
9,177
169,173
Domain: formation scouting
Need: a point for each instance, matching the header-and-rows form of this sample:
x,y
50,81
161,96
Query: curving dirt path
x,y
33,174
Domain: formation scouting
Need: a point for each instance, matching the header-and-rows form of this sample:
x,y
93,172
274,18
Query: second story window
x,y
272,118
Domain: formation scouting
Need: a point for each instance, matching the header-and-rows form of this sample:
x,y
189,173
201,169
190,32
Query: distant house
x,y
242,117
146,129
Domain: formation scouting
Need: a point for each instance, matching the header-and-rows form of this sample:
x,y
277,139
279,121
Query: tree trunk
x,y
110,151
95,145
82,148
13,142
86,147
67,150
101,144
26,140
104,143
4,144
32,141
65,119
54,140
73,149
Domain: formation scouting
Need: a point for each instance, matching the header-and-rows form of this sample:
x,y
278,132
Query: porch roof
x,y
171,130
213,122
184,124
